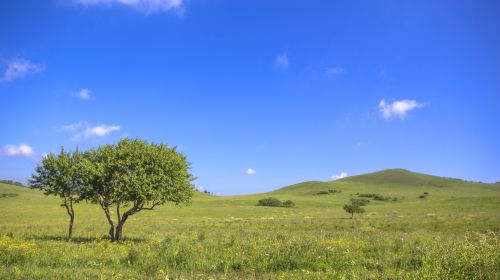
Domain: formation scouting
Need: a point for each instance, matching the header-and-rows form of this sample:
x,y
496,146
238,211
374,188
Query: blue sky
x,y
257,94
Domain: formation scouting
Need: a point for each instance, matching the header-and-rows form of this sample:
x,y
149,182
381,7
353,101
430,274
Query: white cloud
x,y
83,94
250,171
18,150
147,6
397,109
339,176
19,68
73,126
101,130
334,71
282,61
85,130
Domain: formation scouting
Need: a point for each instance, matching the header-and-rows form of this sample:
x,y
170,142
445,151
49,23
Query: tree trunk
x,y
352,215
70,230
121,222
112,232
105,208
71,214
118,233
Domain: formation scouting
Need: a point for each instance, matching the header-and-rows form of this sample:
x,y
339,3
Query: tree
x,y
288,203
360,201
353,208
269,201
61,175
134,175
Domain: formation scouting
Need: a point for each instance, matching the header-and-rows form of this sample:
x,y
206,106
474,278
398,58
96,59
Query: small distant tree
x,y
61,175
353,208
288,203
269,201
360,201
134,175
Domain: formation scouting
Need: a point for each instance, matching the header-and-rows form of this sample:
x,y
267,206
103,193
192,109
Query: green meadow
x,y
453,232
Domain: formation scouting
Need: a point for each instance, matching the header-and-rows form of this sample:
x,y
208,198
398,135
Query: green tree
x,y
360,201
134,175
288,203
269,201
353,208
61,175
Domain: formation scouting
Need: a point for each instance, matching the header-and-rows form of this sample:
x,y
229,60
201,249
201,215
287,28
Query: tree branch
x,y
152,206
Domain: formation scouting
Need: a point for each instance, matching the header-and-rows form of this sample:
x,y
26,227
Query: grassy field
x,y
452,233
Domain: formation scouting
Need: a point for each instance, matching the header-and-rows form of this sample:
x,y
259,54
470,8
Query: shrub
x,y
288,203
381,198
327,192
2,195
360,201
353,208
269,201
424,195
376,196
322,193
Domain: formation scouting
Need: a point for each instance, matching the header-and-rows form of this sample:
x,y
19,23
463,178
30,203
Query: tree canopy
x,y
353,208
123,178
134,175
61,175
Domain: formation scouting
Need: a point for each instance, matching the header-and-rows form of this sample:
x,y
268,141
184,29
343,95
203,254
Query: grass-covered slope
x,y
394,181
452,233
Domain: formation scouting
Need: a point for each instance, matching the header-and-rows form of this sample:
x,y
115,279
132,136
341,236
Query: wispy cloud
x,y
18,68
18,150
250,171
101,130
72,127
146,6
83,94
334,71
339,176
282,61
84,130
398,109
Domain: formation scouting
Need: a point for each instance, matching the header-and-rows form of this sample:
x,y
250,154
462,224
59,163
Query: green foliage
x,y
138,175
288,203
353,209
360,201
227,237
274,202
62,175
3,195
327,192
269,201
321,193
375,196
424,195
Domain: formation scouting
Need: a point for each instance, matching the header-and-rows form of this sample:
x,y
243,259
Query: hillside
x,y
455,227
389,180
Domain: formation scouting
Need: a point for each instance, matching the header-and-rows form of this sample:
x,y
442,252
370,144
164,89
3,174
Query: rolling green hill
x,y
389,180
451,233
